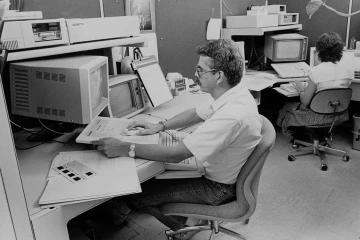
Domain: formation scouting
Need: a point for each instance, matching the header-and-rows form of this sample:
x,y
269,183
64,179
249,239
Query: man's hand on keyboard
x,y
149,128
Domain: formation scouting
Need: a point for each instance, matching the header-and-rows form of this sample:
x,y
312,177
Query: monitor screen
x,y
121,100
126,98
96,87
288,49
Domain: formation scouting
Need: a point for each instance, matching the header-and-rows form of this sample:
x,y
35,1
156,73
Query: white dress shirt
x,y
228,136
331,75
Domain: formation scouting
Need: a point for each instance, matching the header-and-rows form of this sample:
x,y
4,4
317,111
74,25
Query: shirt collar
x,y
232,93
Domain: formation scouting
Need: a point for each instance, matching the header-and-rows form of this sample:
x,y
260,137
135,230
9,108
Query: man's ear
x,y
221,77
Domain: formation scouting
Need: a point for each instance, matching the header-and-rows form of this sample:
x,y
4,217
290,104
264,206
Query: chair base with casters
x,y
316,148
332,102
212,226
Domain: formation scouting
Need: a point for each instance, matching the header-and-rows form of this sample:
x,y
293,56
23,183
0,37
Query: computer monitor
x,y
70,89
290,47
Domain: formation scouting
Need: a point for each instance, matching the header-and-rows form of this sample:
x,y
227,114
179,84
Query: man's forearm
x,y
159,153
184,119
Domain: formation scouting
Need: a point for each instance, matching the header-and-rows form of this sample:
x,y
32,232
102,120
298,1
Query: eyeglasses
x,y
201,73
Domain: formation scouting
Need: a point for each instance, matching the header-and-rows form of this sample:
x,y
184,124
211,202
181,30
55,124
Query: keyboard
x,y
173,138
290,87
291,70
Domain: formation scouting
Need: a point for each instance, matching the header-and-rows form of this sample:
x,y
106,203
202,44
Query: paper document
x,y
114,177
188,168
102,127
254,83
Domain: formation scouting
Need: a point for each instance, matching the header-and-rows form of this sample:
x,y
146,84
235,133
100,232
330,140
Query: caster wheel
x,y
247,221
346,158
323,167
291,158
295,146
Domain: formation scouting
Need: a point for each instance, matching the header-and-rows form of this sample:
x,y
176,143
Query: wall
x,y
63,8
181,25
355,21
322,21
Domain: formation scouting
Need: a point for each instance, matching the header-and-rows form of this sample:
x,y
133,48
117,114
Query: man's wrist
x,y
162,123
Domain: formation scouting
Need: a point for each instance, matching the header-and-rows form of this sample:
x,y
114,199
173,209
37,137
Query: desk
x,y
34,164
355,84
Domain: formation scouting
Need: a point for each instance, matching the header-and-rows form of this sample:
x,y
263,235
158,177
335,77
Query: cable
x,y
27,148
25,129
253,50
227,7
256,62
51,130
137,53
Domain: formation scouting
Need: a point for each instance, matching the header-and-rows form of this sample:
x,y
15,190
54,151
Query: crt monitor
x,y
289,47
70,89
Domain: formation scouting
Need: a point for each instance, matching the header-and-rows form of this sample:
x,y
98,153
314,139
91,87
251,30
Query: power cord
x,y
33,133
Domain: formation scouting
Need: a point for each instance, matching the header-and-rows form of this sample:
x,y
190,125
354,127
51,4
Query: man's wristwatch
x,y
163,124
132,150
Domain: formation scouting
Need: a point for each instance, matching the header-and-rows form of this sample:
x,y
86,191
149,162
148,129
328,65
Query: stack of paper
x,y
189,168
80,176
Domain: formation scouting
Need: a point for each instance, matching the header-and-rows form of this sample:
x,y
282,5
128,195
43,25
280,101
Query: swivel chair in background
x,y
333,101
239,210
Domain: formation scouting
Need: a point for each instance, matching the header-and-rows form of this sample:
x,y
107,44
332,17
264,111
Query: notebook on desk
x,y
292,70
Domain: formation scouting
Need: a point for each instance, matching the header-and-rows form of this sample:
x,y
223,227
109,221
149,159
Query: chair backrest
x,y
249,176
329,101
246,187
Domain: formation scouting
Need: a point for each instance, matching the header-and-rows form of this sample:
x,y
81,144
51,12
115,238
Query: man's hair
x,y
226,57
330,47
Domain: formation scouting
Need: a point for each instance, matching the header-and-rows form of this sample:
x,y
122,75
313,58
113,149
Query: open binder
x,y
150,74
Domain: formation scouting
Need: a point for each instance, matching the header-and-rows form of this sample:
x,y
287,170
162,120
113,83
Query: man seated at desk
x,y
224,141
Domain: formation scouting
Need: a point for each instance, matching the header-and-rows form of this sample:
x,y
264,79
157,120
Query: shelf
x,y
56,50
229,32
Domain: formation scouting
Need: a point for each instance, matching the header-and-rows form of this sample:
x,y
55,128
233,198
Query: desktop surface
x,y
35,163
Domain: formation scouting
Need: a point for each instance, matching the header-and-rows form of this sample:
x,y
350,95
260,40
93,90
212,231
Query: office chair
x,y
329,101
238,210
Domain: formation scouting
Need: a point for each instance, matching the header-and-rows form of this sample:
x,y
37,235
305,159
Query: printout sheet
x,y
155,84
102,127
114,177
